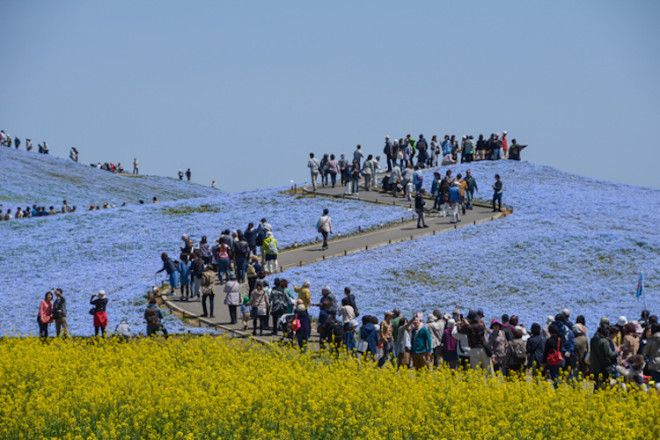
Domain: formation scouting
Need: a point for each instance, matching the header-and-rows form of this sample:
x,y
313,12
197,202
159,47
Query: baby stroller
x,y
284,325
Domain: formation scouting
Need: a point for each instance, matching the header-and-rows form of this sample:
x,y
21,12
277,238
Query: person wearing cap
x,y
59,314
498,345
45,315
386,339
99,313
269,248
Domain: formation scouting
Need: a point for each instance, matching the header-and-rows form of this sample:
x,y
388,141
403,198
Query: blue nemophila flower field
x,y
572,242
118,249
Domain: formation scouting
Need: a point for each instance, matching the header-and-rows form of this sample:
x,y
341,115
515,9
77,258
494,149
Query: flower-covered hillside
x,y
572,242
118,249
31,178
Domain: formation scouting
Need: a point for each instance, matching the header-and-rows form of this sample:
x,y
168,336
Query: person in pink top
x,y
505,145
45,315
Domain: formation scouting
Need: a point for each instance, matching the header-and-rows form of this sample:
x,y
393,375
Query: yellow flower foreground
x,y
206,387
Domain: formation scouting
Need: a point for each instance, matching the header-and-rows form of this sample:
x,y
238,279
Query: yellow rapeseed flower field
x,y
214,387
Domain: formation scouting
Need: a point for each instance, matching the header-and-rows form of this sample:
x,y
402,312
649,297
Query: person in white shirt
x,y
313,166
324,226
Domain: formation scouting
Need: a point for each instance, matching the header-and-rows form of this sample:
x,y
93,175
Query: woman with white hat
x,y
100,302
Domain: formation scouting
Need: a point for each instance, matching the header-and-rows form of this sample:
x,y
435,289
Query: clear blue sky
x,y
241,91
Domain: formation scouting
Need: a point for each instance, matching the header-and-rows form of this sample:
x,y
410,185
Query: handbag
x,y
295,324
92,310
254,311
555,358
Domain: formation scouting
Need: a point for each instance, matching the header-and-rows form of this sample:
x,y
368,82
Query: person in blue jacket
x,y
369,333
184,275
171,268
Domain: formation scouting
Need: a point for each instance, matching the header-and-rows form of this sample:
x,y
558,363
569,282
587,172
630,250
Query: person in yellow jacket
x,y
304,294
269,247
462,188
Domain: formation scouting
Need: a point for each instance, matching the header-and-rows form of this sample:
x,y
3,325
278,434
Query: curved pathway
x,y
404,230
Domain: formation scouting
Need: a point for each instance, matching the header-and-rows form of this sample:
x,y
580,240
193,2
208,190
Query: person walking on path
x,y
455,201
270,249
188,174
419,208
333,169
154,319
136,166
233,299
421,344
241,254
45,315
99,312
196,273
208,279
314,169
324,227
259,309
355,177
498,190
59,314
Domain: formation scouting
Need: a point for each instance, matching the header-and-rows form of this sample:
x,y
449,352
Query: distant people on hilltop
x,y
136,166
73,154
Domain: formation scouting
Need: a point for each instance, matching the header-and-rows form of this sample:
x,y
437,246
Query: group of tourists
x,y
55,311
7,141
35,211
560,347
188,175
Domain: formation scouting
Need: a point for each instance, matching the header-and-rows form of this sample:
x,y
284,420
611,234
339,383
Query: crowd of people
x,y
36,211
6,140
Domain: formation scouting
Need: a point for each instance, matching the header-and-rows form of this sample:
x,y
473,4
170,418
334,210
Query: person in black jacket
x,y
535,347
250,235
351,300
552,344
59,314
419,208
241,254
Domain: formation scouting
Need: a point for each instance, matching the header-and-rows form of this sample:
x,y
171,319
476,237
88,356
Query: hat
x,y
495,322
101,293
605,320
451,323
301,307
549,319
621,321
306,284
566,312
389,313
268,228
503,131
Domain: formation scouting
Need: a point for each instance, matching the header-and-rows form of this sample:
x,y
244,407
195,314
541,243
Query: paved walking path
x,y
404,230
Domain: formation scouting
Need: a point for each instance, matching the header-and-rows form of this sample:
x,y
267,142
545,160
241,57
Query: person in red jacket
x,y
45,315
505,146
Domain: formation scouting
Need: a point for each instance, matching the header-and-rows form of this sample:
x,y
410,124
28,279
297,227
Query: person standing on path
x,y
136,166
196,273
259,309
314,167
324,226
304,330
188,174
333,169
45,315
387,340
184,276
498,190
358,156
270,250
100,321
59,314
419,208
455,201
471,188
421,344
208,279
233,299
355,177
369,173
241,254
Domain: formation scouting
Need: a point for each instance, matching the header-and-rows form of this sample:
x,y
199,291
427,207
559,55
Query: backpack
x,y
151,315
261,234
519,352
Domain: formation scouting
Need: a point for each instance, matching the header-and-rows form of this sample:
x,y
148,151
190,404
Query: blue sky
x,y
241,91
